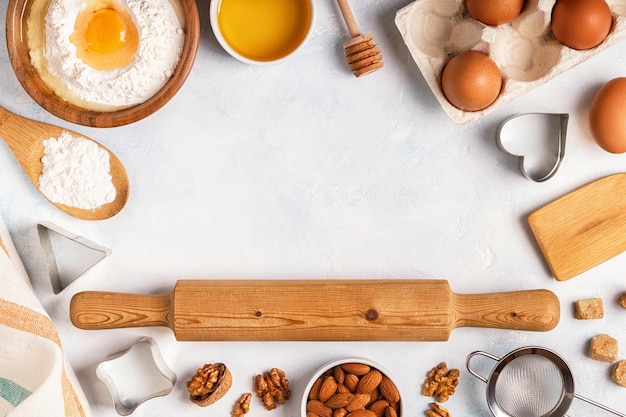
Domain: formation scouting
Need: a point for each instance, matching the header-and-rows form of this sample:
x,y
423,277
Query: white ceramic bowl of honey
x,y
261,32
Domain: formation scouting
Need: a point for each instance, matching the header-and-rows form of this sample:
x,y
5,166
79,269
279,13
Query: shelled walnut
x,y
437,411
209,384
272,387
441,383
242,406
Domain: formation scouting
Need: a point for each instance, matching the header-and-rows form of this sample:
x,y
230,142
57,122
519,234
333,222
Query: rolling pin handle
x,y
534,310
94,310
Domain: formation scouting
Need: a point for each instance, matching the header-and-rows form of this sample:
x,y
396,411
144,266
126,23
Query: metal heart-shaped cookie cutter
x,y
537,140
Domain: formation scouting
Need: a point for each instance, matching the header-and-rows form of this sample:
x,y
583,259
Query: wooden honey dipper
x,y
362,54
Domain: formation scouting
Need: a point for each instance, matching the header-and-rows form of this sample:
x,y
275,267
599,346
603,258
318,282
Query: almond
x,y
328,388
369,381
310,414
389,390
314,393
359,402
339,374
390,412
340,400
318,408
361,413
357,369
340,412
342,388
378,407
351,381
374,396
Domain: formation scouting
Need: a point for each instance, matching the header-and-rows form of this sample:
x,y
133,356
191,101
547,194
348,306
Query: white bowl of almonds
x,y
352,387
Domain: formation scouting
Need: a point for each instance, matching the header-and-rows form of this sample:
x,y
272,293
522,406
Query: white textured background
x,y
301,170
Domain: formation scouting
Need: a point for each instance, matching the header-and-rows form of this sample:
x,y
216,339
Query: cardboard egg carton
x,y
524,50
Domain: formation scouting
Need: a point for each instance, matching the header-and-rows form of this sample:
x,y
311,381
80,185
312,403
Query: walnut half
x,y
441,383
272,387
242,406
209,384
437,411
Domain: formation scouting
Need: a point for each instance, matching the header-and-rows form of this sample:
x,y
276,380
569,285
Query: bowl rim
x,y
42,94
213,8
351,359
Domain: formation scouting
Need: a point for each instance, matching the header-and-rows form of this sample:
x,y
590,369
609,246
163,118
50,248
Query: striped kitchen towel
x,y
35,377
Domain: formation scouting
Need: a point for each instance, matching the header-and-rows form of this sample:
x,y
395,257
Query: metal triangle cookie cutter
x,y
537,140
136,375
68,256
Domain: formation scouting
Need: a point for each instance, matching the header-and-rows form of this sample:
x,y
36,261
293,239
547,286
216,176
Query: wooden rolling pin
x,y
338,310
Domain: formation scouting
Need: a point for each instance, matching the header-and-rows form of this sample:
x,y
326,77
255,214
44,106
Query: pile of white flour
x,y
161,39
76,172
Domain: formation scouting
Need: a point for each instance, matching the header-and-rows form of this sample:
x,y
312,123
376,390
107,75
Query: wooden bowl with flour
x,y
100,96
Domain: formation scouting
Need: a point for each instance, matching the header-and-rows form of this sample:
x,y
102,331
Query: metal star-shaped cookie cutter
x,y
136,375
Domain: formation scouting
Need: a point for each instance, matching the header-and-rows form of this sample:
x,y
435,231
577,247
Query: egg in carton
x,y
525,50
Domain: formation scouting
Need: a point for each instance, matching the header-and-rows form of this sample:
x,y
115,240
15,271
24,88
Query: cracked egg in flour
x,y
105,35
105,55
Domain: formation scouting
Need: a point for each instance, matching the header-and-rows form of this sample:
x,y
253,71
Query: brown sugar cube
x,y
619,373
589,309
622,300
603,348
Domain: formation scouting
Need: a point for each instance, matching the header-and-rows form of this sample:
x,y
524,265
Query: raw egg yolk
x,y
105,36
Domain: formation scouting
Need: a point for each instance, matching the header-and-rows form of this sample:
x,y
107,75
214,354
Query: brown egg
x,y
494,12
581,24
471,81
607,116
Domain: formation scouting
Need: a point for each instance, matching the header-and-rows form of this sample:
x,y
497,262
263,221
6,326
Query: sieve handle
x,y
479,353
604,407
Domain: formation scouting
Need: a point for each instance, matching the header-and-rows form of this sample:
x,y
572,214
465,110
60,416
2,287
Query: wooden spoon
x,y
361,51
25,138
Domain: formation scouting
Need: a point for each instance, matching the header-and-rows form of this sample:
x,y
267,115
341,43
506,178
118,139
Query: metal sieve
x,y
530,382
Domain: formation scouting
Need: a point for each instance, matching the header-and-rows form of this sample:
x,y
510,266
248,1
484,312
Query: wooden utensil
x,y
17,14
25,138
409,310
583,228
362,54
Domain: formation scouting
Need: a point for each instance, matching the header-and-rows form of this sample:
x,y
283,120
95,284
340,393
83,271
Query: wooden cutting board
x,y
401,310
583,228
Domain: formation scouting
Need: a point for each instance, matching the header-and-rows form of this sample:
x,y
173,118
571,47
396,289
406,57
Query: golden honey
x,y
264,30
